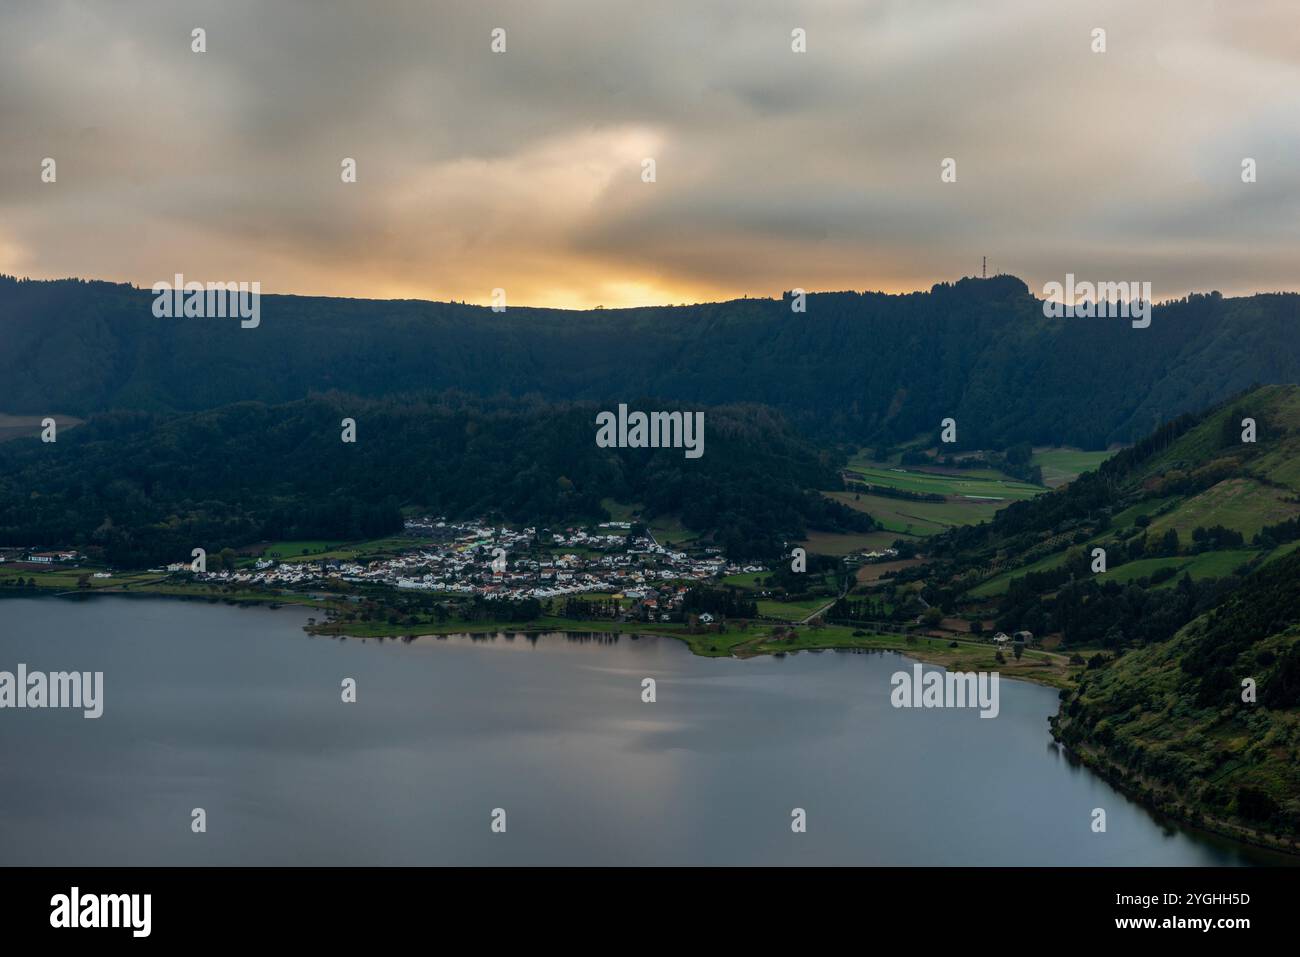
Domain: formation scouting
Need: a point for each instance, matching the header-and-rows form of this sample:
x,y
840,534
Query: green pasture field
x,y
918,518
1063,465
1241,504
910,480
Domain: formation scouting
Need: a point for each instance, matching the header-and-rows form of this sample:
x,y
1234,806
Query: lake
x,y
238,712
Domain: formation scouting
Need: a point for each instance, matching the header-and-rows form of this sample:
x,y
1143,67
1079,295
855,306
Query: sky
x,y
522,170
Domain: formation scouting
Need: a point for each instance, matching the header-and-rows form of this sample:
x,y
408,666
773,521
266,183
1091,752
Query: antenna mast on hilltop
x,y
984,270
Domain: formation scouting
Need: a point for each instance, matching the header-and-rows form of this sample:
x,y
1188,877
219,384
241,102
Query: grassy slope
x,y
1243,504
1261,492
1205,565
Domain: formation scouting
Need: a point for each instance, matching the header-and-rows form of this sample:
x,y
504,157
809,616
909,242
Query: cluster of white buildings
x,y
880,554
39,558
474,559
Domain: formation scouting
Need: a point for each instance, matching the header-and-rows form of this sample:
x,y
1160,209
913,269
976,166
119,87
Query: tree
x,y
1230,430
1255,804
1137,546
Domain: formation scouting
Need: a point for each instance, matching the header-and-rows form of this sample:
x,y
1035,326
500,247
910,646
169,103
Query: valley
x,y
1046,548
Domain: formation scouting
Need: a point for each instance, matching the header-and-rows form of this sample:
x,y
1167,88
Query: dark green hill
x,y
141,488
863,367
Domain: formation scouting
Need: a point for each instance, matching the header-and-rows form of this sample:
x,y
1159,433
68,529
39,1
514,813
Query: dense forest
x,y
867,368
146,487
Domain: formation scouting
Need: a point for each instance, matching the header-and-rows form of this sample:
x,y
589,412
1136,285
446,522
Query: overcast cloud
x,y
522,170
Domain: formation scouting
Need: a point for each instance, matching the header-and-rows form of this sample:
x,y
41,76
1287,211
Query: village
x,y
611,570
498,563
619,563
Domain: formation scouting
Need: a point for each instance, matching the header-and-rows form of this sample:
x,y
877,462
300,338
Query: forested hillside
x,y
1170,576
1207,724
1175,522
863,367
140,488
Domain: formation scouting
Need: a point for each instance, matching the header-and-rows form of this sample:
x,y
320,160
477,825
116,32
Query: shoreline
x,y
744,643
1095,759
747,639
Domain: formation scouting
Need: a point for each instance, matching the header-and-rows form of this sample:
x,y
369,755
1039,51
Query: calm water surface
x,y
238,711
